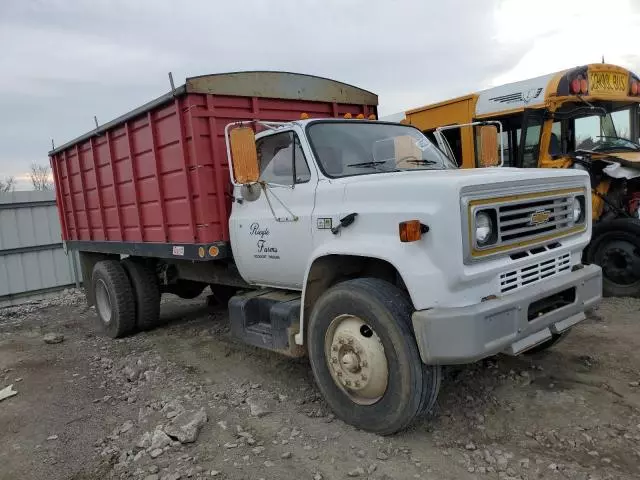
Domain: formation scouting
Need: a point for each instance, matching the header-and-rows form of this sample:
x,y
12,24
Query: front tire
x,y
365,358
115,304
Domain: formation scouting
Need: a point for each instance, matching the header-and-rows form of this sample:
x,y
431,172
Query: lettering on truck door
x,y
273,233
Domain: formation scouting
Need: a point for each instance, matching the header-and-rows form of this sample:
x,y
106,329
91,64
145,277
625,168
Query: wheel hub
x,y
356,359
103,301
350,362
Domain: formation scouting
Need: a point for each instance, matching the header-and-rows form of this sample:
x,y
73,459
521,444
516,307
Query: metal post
x,y
173,87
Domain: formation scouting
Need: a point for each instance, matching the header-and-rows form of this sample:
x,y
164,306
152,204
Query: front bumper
x,y
467,334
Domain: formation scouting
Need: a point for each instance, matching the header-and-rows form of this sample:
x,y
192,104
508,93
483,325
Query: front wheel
x,y
365,358
615,246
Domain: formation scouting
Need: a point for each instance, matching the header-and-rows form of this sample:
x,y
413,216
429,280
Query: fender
x,y
402,256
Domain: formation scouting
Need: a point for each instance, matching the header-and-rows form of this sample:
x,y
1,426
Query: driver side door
x,y
272,234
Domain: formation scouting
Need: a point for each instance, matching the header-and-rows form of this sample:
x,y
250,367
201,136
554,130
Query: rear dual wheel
x,y
115,304
146,292
127,296
365,358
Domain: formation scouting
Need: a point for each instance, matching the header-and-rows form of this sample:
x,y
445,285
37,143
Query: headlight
x,y
484,228
577,209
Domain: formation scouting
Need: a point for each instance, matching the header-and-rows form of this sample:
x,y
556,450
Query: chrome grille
x,y
534,273
525,220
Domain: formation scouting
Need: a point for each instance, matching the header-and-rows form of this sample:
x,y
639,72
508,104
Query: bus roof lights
x,y
584,86
635,87
575,86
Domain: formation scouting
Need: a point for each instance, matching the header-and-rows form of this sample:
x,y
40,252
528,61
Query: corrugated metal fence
x,y
32,261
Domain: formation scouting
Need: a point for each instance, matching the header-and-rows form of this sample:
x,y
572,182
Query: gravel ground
x,y
187,401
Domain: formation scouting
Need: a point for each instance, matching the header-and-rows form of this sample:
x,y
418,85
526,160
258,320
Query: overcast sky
x,y
64,61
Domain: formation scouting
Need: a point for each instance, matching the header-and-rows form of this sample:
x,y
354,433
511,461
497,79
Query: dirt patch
x,y
90,407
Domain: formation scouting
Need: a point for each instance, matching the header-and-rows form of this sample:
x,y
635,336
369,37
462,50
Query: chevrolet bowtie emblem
x,y
539,217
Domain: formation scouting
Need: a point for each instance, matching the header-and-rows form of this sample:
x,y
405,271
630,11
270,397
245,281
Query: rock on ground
x,y
52,338
186,426
258,407
159,439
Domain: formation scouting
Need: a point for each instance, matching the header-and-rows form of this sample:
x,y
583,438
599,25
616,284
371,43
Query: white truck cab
x,y
374,254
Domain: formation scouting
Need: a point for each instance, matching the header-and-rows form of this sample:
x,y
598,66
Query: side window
x,y
429,134
529,151
277,155
454,137
556,146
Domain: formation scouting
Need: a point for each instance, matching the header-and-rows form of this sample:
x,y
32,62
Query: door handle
x,y
344,222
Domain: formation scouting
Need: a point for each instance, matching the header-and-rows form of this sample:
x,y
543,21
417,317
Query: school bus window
x,y
531,145
557,145
610,131
622,123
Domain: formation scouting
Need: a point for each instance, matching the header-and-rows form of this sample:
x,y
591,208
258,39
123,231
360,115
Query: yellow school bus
x,y
586,117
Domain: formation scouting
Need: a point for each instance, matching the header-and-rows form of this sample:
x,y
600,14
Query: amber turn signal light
x,y
412,230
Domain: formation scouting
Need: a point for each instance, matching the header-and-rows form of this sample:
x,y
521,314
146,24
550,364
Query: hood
x,y
464,177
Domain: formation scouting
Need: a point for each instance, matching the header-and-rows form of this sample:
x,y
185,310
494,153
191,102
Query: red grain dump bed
x,y
157,179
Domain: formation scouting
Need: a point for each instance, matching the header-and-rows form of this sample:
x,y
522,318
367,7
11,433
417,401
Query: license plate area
x,y
551,303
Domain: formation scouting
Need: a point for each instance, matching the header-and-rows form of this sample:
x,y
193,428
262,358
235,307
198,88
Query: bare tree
x,y
7,185
41,177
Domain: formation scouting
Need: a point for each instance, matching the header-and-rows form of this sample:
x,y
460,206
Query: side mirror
x,y
244,155
488,147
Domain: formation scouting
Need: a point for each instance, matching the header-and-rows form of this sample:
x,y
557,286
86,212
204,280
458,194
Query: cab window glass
x,y
277,155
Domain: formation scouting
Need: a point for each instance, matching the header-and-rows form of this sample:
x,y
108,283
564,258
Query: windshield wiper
x,y
367,164
421,162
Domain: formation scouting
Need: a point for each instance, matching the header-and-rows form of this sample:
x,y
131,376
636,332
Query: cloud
x,y
560,35
64,61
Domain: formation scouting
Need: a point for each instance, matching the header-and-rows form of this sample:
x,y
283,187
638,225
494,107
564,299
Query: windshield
x,y
610,132
356,147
